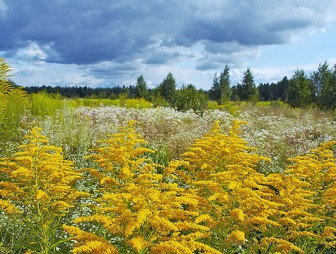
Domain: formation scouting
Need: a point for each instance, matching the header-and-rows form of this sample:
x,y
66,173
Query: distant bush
x,y
188,98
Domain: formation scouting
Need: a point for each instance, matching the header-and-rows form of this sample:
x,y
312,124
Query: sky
x,y
112,42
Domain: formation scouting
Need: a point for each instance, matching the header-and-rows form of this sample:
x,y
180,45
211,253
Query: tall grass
x,y
127,103
44,104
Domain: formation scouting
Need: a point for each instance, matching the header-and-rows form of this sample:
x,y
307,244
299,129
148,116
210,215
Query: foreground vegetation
x,y
213,199
97,176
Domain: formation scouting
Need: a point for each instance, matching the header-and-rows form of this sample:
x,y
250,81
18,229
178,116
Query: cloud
x,y
219,55
161,57
3,7
252,23
208,65
32,51
108,39
108,70
86,32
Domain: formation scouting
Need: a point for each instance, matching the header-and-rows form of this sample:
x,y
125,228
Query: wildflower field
x,y
254,178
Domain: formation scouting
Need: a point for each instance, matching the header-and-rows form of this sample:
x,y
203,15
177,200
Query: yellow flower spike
x,y
125,173
23,172
222,169
238,214
236,237
138,207
172,247
41,195
8,207
40,184
138,243
222,197
234,185
281,245
204,218
304,190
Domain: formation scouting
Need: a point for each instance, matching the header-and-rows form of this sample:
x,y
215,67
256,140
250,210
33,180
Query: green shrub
x,y
188,98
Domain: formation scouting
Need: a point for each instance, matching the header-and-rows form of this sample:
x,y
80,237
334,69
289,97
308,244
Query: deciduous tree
x,y
324,86
188,97
300,90
141,88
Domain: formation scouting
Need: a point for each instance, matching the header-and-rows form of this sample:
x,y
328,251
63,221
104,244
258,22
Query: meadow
x,y
111,176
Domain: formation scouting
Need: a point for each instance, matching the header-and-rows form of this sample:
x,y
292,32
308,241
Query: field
x,y
92,177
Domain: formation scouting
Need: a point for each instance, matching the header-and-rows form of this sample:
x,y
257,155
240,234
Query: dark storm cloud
x,y
107,70
88,32
84,32
161,57
250,23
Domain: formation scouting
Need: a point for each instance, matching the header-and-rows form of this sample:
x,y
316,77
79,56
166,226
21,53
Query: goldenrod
x,y
39,184
236,237
223,170
139,208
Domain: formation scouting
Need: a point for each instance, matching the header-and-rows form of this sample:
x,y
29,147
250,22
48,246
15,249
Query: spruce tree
x,y
224,85
168,88
248,88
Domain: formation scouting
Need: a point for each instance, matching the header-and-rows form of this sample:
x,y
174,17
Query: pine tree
x,y
224,85
248,88
214,92
168,88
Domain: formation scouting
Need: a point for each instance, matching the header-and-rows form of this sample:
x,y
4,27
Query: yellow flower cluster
x,y
38,184
138,209
222,169
236,237
213,200
248,207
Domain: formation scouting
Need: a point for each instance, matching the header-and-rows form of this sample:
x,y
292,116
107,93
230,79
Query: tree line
x,y
301,90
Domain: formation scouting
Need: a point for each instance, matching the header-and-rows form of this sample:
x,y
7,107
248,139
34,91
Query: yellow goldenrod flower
x,y
138,207
281,245
138,243
9,208
329,232
237,237
41,195
39,183
238,214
